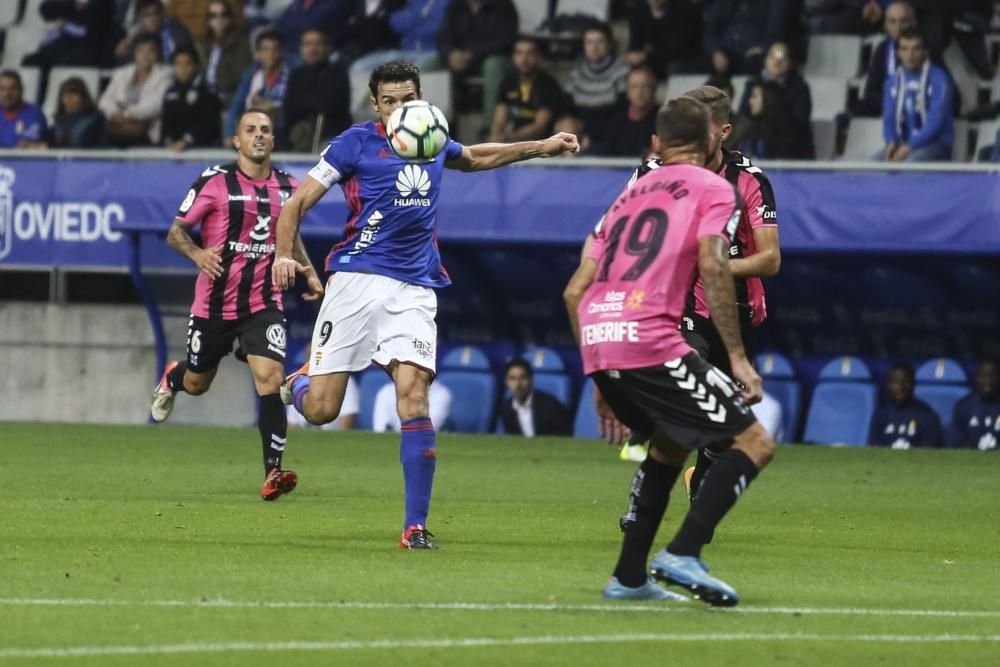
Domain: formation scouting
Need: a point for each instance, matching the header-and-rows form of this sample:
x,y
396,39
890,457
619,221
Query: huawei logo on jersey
x,y
412,180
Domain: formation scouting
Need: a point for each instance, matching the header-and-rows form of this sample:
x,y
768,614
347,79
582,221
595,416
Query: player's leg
x,y
208,341
319,398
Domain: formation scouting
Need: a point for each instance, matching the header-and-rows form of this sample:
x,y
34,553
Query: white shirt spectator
x,y
349,408
524,416
385,416
768,413
144,102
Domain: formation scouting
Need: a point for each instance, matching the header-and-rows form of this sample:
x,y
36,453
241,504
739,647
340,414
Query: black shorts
x,y
261,334
701,334
687,399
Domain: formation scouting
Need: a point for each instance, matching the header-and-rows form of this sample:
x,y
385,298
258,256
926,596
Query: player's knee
x,y
269,383
758,444
319,412
197,384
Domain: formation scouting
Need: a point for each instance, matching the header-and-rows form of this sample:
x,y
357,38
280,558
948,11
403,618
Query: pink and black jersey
x,y
647,257
239,214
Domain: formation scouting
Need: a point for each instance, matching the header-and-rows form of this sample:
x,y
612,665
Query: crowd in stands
x,y
169,67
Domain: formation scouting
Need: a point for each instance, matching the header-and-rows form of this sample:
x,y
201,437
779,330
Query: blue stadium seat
x,y
781,383
370,381
585,424
557,384
550,373
842,404
544,360
467,373
942,383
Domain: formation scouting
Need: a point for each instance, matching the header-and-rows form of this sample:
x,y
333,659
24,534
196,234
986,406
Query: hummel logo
x,y
412,178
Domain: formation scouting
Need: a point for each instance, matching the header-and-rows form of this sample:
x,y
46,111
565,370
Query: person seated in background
x,y
416,25
530,99
665,35
225,50
778,67
773,134
630,130
65,42
347,420
133,101
22,125
150,20
596,85
840,17
77,122
263,85
190,108
194,14
367,30
899,17
530,412
737,32
904,421
916,107
329,16
385,415
318,102
475,39
976,420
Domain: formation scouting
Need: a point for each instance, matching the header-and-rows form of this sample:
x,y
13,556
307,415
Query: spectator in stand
x,y
22,125
843,16
665,35
319,92
917,105
476,39
416,25
133,101
737,32
899,17
77,122
330,16
630,130
773,133
530,99
150,20
596,85
530,412
65,42
967,21
225,50
385,414
976,421
778,67
190,108
368,29
194,15
905,421
263,85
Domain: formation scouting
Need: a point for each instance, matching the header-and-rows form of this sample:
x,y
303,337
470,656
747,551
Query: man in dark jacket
x,y
190,109
905,421
529,412
899,17
316,87
476,39
976,422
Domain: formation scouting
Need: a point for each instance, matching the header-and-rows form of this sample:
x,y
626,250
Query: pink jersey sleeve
x,y
200,201
719,211
759,199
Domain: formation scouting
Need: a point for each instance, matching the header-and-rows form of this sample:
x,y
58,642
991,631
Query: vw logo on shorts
x,y
276,335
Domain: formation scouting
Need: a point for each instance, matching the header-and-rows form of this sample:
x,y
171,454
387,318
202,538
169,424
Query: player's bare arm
x,y
313,283
481,157
720,292
765,262
577,286
285,265
208,260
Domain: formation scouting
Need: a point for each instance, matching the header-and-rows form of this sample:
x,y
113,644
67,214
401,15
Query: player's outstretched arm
x,y
481,157
720,292
209,260
765,262
285,264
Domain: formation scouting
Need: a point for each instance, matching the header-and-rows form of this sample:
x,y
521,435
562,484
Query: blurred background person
x,y
150,20
416,25
191,111
530,412
976,420
133,101
595,89
194,14
904,421
666,36
225,50
630,129
263,85
773,133
319,95
530,98
77,122
778,67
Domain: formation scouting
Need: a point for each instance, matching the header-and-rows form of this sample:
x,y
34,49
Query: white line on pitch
x,y
472,642
483,606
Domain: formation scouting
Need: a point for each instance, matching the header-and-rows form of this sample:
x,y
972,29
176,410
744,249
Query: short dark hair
x,y
683,122
318,31
272,35
12,74
717,100
529,40
905,368
641,69
187,51
602,27
518,362
249,111
394,71
149,38
143,5
912,33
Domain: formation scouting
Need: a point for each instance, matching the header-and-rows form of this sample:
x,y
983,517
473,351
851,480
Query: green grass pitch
x,y
150,546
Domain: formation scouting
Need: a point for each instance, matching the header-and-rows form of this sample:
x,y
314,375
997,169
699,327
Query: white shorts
x,y
369,318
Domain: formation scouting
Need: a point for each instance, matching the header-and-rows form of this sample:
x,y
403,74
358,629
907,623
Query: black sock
x,y
647,503
706,459
273,426
175,378
730,476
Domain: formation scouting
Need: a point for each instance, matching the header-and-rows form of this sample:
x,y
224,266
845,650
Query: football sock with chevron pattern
x,y
647,504
272,422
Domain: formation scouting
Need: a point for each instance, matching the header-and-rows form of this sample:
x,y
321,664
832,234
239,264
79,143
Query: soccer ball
x,y
417,131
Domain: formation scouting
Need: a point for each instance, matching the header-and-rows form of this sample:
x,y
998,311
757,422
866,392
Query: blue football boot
x,y
648,591
692,574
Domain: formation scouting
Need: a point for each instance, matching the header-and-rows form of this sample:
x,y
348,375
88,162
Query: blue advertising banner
x,y
76,213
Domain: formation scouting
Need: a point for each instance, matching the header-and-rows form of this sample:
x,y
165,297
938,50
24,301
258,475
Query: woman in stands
x,y
773,134
77,122
225,51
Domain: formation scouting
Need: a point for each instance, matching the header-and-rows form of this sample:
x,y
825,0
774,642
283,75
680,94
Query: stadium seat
x,y
531,14
90,75
960,148
19,42
369,383
780,382
550,373
739,84
824,138
842,404
829,96
942,383
436,89
986,135
544,360
833,55
678,84
596,8
10,12
585,423
31,79
467,373
864,138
